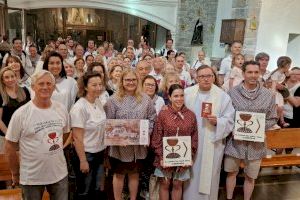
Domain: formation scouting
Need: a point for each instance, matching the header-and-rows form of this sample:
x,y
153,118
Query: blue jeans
x,y
57,191
89,184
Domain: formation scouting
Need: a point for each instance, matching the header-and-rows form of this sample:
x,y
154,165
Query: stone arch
x,y
161,12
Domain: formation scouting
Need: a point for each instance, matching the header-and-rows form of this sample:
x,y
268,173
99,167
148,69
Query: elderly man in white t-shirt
x,y
225,67
38,129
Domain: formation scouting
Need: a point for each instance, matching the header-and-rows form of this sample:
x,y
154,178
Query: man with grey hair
x,y
38,130
158,65
143,68
263,60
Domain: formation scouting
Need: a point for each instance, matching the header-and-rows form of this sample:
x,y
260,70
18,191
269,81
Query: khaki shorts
x,y
252,167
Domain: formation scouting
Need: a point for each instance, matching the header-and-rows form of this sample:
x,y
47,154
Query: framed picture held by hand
x,y
177,151
123,132
249,126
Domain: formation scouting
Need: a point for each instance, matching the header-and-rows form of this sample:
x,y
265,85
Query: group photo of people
x,y
55,103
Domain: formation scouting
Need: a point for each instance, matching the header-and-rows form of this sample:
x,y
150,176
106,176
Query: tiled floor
x,y
272,184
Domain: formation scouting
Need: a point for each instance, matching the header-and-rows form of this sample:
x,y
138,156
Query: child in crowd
x,y
278,77
236,74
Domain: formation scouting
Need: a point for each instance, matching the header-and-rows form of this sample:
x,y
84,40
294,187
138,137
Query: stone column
x,y
3,17
23,20
249,10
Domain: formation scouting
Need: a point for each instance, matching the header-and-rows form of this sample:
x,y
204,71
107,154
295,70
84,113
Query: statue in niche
x,y
77,16
198,34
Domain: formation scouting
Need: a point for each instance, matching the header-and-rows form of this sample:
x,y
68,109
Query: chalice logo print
x,y
53,139
173,147
245,123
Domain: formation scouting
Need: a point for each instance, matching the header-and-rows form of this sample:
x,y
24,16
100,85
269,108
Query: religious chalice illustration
x,y
53,139
245,123
172,148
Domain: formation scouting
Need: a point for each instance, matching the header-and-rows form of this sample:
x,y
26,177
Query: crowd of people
x,y
53,109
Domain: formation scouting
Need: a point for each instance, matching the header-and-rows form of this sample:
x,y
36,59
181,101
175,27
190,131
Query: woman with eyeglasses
x,y
150,87
128,103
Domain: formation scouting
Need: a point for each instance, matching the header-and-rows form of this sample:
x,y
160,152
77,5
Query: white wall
x,y
293,48
224,12
277,20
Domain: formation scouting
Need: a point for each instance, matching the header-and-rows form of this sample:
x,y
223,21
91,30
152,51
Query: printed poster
x,y
177,151
123,132
249,126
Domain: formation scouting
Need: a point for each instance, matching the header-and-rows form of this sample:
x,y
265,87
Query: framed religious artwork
x,y
177,151
122,132
249,126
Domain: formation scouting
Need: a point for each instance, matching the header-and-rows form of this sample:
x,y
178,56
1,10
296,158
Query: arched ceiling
x,y
161,12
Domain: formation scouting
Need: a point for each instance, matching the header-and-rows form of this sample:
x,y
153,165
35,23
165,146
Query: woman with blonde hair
x,y
168,80
17,66
45,54
12,97
128,103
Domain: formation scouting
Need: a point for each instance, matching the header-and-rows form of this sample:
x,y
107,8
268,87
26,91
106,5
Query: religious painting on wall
x,y
177,151
122,132
249,126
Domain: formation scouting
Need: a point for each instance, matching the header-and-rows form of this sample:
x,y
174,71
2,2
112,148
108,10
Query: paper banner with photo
x,y
122,132
177,151
249,126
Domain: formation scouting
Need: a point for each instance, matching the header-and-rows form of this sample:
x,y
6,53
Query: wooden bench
x,y
280,139
5,175
16,194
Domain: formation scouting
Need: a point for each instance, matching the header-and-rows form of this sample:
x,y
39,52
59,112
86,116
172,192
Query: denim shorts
x,y
181,176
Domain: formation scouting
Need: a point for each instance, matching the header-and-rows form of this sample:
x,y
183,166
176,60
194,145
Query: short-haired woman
x,y
87,122
100,68
115,75
176,120
150,87
79,67
128,103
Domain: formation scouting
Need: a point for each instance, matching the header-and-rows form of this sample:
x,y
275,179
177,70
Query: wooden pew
x,y
279,139
5,175
16,194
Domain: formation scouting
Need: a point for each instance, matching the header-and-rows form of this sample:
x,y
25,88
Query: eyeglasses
x,y
127,80
150,85
205,76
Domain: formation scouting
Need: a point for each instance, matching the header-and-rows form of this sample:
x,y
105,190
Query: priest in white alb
x,y
215,118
